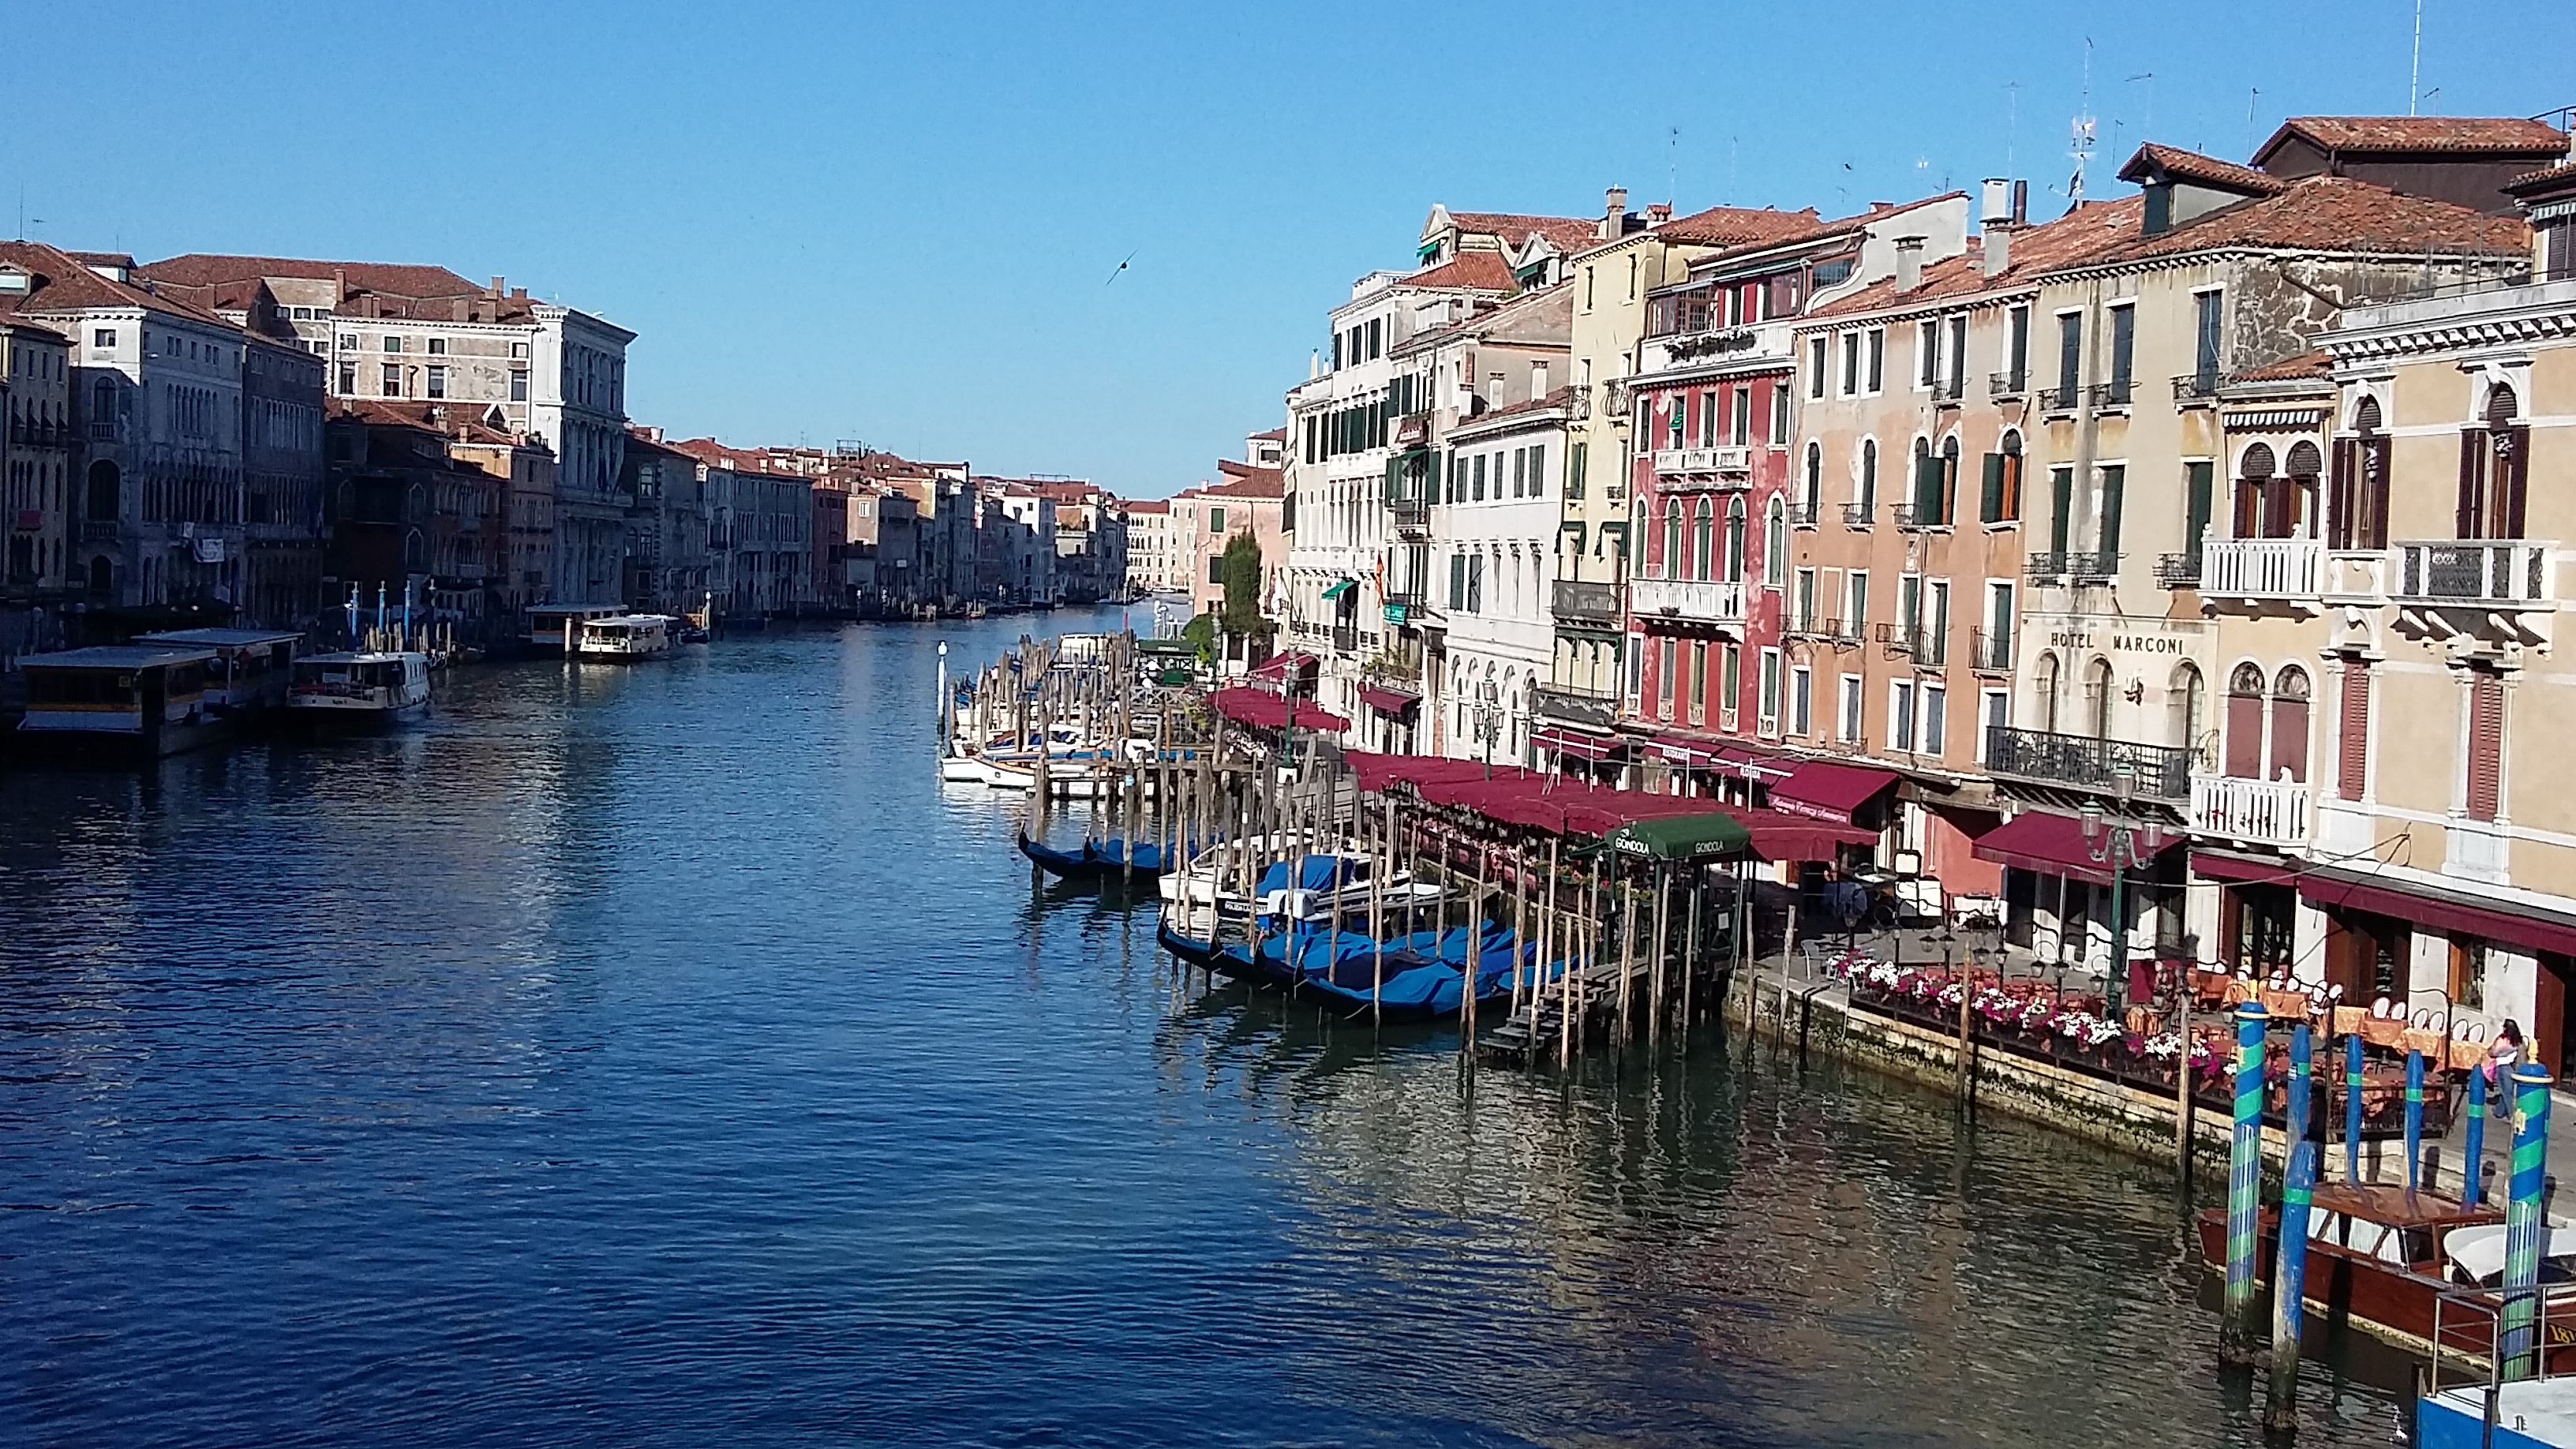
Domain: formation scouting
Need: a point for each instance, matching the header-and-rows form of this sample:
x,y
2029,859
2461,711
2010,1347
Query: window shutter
x,y
2114,482
2289,740
2517,468
2201,478
2352,731
2486,745
2339,495
2464,516
2061,486
2245,736
2374,494
1990,503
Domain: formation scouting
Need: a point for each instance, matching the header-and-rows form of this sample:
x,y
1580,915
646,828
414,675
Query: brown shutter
x,y
2339,496
2245,736
2516,469
2486,745
2374,493
2464,516
2352,732
2289,739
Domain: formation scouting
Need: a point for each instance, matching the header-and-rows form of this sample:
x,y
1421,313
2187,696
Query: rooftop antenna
x,y
2415,65
2081,136
1734,170
2012,122
2251,92
2147,126
1672,163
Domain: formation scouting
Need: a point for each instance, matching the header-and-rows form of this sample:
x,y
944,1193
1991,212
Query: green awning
x,y
1683,837
1340,587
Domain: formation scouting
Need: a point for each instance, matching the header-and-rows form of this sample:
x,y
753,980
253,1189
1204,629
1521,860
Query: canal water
x,y
662,1056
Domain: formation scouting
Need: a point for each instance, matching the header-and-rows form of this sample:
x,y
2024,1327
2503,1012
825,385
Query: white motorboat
x,y
359,690
625,638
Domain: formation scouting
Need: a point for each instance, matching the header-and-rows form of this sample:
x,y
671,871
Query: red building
x,y
1715,417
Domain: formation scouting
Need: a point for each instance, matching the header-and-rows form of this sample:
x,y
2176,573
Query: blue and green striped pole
x,y
2245,1178
2473,1155
2352,1108
2414,1117
2289,1273
2522,1222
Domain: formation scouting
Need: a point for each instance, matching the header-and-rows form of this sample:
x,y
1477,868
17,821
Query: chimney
x,y
494,291
1997,258
1658,212
1997,218
1995,200
2021,203
1909,263
460,310
1614,212
339,287
518,294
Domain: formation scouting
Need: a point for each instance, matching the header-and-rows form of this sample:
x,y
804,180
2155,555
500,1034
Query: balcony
x,y
1703,601
1803,515
2179,570
2113,395
2082,762
1990,651
2061,398
2196,389
2475,573
1719,467
1599,605
2045,567
2008,385
98,530
2263,570
1577,707
1926,647
2257,812
1856,515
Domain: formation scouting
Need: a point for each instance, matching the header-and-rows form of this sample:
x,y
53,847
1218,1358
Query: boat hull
x,y
2375,1296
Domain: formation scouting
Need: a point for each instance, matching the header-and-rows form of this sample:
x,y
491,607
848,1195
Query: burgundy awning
x,y
1790,837
1269,711
1823,790
1673,750
1388,701
2328,887
1278,666
2049,844
1579,743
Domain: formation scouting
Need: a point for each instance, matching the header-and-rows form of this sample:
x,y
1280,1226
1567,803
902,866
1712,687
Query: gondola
x,y
1190,950
1096,861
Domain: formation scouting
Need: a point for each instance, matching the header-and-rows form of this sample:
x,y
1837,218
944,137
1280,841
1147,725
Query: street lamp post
x,y
2114,840
1489,720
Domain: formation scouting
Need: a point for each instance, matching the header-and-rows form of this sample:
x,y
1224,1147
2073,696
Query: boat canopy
x,y
2478,1250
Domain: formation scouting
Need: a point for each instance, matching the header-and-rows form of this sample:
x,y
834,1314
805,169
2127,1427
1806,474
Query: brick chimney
x,y
494,291
1909,263
1614,213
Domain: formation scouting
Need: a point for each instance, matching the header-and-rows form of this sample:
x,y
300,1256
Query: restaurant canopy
x,y
1824,790
2036,840
1269,711
1388,701
1570,805
1683,837
1280,666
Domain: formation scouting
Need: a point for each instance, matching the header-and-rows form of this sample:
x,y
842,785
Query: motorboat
x,y
626,638
355,691
558,626
135,701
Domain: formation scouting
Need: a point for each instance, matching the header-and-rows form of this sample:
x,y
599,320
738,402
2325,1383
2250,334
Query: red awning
x,y
1751,763
1823,790
1674,750
2049,844
1388,701
1790,837
1578,743
2328,887
1269,711
1278,666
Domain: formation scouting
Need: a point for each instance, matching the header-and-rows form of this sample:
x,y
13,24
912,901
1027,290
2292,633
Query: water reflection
x,y
661,1055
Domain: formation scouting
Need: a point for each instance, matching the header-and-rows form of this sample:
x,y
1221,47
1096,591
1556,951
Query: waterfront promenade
x,y
661,1055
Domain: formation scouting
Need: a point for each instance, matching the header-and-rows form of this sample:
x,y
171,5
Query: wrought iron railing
x,y
1990,651
1856,515
2179,570
2475,571
1577,706
1589,602
2085,762
2008,384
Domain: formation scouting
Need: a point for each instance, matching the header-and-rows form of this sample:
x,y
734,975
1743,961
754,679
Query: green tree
x,y
1240,569
1201,631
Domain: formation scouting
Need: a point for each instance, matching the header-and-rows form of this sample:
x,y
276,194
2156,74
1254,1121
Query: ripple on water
x,y
661,1055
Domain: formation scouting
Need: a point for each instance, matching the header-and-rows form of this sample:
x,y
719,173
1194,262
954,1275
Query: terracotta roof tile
x,y
460,421
2095,229
2337,213
1735,225
63,283
1245,481
2192,166
2544,178
1149,505
2419,133
2290,369
1555,399
1472,271
1565,233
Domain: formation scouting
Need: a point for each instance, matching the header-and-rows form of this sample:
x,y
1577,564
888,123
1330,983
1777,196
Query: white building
x,y
1497,528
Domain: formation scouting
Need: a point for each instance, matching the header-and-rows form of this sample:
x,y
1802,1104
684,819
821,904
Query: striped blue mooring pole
x,y
2289,1275
2244,1179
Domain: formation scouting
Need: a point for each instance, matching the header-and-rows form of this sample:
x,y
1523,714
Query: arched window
x,y
2245,722
2494,466
1948,502
2097,698
2006,502
415,551
1867,498
2502,404
2365,418
1735,539
2044,687
1702,518
2305,464
2187,698
1673,539
2261,500
2289,757
1815,479
1775,543
105,487
1925,484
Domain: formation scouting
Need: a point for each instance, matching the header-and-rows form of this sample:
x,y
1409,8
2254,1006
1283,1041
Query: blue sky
x,y
897,224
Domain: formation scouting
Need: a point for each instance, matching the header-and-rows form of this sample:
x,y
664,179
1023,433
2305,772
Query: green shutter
x,y
1574,471
1927,488
1990,506
2113,479
2197,520
2061,488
